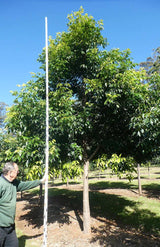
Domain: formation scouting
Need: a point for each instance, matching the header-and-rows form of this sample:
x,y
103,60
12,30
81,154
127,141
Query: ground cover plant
x,y
119,216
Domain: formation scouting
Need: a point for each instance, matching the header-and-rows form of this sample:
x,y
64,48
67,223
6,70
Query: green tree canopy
x,y
94,96
146,122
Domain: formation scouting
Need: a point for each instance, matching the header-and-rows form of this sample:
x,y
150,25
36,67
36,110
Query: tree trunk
x,y
67,184
148,171
86,208
139,180
40,193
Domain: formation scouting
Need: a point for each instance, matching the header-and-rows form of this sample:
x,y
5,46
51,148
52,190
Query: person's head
x,y
10,170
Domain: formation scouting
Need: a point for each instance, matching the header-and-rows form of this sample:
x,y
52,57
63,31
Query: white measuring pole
x,y
47,143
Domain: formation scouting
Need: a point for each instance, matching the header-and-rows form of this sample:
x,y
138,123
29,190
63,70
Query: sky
x,y
133,24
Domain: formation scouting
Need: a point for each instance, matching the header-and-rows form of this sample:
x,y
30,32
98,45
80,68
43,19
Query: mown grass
x,y
26,241
132,212
138,212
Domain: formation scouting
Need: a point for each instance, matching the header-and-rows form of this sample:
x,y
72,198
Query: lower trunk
x,y
139,180
40,193
86,208
148,172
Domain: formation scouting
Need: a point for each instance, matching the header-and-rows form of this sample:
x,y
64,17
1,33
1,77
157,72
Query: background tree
x,y
146,121
2,113
152,64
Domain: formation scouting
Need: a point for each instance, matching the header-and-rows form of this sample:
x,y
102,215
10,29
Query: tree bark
x,y
86,207
148,171
40,193
139,180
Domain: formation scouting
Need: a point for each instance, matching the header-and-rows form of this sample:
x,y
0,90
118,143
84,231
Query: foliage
x,y
119,165
93,96
71,170
155,161
26,124
101,162
34,172
8,144
145,122
122,165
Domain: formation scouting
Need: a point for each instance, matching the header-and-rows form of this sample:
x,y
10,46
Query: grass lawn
x,y
139,212
24,242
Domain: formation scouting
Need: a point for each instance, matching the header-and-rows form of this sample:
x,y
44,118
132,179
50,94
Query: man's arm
x,y
21,186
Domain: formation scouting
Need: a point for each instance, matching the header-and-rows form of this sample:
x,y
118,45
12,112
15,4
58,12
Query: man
x,y
9,186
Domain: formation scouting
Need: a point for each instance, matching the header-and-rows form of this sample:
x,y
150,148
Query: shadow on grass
x,y
111,185
22,239
152,190
63,183
97,177
113,235
156,172
60,202
123,211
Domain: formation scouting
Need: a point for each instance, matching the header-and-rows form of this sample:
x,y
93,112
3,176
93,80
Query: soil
x,y
65,225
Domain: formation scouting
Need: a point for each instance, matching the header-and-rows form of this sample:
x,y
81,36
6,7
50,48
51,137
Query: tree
x,y
146,121
152,64
2,113
106,92
145,124
93,94
25,122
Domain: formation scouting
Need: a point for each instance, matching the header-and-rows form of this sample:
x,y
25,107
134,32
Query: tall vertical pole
x,y
47,143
